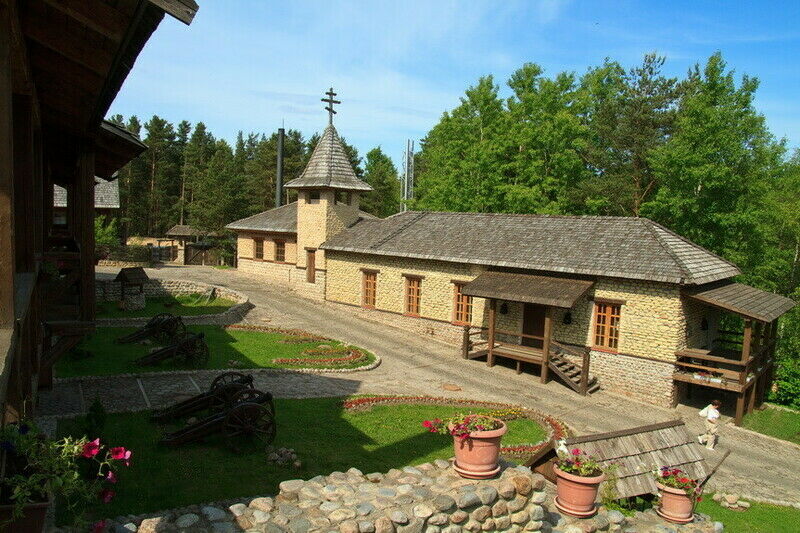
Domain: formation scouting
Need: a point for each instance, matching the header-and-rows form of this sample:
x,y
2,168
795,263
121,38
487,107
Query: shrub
x,y
787,383
132,253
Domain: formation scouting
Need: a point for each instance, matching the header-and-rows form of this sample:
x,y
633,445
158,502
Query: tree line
x,y
691,153
189,176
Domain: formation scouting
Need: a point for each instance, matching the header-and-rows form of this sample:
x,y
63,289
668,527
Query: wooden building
x,y
61,65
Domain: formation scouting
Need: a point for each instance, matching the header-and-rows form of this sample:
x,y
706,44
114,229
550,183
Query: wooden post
x,y
544,376
7,261
585,372
84,206
747,340
24,223
465,348
492,320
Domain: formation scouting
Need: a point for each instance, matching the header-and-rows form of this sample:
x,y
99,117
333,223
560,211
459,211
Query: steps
x,y
570,374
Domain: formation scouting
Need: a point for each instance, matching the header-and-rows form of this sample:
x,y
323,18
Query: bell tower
x,y
327,195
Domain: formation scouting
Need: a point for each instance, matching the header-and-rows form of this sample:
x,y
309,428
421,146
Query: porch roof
x,y
744,300
528,288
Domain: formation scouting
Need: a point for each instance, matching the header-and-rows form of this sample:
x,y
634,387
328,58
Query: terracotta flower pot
x,y
676,506
31,521
576,494
477,454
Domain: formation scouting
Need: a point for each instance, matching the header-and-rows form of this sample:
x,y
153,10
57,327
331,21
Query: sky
x,y
254,65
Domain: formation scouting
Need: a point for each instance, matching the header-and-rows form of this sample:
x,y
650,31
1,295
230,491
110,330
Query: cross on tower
x,y
330,101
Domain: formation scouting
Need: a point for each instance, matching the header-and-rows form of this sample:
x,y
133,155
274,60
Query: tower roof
x,y
329,167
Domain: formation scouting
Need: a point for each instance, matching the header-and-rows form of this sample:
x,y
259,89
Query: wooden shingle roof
x,y
281,219
106,194
639,451
744,300
542,290
132,275
329,167
618,247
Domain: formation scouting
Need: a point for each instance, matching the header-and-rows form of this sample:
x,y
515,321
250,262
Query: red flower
x,y
106,495
90,449
111,477
576,451
99,526
427,424
683,480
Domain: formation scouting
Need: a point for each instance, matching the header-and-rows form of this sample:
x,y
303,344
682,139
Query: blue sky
x,y
252,64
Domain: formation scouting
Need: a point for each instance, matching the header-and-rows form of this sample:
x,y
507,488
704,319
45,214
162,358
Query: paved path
x,y
757,466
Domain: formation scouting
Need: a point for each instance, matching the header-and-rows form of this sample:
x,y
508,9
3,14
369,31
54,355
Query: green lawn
x,y
760,518
325,437
249,349
182,304
776,423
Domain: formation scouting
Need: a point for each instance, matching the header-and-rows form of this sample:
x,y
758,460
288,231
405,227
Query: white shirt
x,y
710,412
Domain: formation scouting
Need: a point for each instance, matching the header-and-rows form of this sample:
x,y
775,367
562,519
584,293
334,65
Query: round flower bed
x,y
555,428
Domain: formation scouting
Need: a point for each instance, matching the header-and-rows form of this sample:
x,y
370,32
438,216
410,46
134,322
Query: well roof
x,y
281,219
106,194
543,290
329,167
183,230
744,300
620,247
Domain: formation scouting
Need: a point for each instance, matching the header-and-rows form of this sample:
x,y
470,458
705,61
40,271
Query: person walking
x,y
711,413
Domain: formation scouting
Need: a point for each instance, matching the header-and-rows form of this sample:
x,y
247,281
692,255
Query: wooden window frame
x,y
279,245
610,335
311,265
258,241
463,301
369,288
412,303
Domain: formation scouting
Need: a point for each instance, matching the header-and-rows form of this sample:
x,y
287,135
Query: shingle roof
x,y
106,194
542,290
620,247
281,219
744,300
182,230
329,167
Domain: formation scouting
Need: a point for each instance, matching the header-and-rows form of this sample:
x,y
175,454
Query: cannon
x,y
220,395
250,416
191,348
163,327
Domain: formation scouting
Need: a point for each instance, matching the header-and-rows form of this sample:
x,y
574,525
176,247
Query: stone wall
x,y
123,264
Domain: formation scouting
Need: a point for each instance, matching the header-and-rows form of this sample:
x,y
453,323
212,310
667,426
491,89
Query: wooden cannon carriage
x,y
219,397
163,327
249,416
190,348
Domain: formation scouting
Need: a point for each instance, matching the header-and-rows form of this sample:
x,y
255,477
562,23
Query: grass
x,y
223,267
182,304
249,349
325,437
775,423
760,518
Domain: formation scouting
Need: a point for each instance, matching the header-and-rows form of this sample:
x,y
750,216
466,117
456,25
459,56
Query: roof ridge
x,y
529,215
692,243
684,268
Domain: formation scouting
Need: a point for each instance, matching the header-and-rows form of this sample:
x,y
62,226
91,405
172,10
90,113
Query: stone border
x,y
124,264
156,286
782,408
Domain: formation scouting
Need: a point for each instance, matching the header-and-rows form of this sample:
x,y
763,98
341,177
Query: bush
x,y
133,253
787,384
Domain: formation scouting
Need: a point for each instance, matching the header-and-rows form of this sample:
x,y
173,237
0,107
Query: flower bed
x,y
555,428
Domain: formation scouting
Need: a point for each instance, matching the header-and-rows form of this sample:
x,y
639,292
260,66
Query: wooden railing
x,y
585,355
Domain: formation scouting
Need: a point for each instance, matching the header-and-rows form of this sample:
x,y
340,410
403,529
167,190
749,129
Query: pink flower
x,y
111,477
118,452
576,451
427,424
106,495
90,449
99,526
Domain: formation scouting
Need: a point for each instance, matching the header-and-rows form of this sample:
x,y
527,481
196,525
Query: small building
x,y
179,236
619,303
106,200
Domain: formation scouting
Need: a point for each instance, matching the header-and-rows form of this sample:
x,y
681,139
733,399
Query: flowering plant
x,y
462,425
577,462
76,470
677,479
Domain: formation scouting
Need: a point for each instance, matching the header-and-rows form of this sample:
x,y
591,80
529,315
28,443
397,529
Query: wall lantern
x,y
567,318
503,308
704,324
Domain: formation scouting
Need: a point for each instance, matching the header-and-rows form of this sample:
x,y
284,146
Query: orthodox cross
x,y
330,101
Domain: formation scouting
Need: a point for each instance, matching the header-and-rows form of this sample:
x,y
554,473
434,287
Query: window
x,y
311,266
463,306
280,251
313,197
369,287
413,291
258,248
343,197
606,325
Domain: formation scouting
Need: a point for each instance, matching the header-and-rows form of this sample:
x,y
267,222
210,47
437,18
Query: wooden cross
x,y
330,101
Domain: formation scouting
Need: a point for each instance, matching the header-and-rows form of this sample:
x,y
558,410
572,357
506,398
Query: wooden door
x,y
533,324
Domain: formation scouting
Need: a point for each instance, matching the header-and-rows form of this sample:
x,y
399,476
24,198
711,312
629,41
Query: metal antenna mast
x,y
408,174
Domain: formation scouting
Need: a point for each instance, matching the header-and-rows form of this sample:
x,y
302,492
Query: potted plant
x,y
679,493
38,470
476,443
716,377
578,478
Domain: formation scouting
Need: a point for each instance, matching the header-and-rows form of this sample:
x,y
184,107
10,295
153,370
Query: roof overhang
x,y
528,288
743,300
115,147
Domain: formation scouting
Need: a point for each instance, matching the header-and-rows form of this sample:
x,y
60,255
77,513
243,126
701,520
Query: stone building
x,y
620,303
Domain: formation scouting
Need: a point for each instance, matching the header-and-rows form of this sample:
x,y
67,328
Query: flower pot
x,y
676,506
31,521
477,454
576,494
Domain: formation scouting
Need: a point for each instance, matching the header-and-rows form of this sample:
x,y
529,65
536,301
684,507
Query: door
x,y
533,324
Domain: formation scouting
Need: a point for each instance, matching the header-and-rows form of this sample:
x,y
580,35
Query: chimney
x,y
279,172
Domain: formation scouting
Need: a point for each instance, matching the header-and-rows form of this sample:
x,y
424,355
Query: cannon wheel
x,y
229,377
196,353
224,396
249,420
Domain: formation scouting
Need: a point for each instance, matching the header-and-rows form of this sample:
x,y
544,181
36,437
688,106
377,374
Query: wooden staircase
x,y
576,377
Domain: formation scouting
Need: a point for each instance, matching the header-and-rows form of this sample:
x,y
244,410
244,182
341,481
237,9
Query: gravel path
x,y
758,467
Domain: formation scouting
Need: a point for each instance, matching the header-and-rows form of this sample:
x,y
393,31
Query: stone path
x,y
757,467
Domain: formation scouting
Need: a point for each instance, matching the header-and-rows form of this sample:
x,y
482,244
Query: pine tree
x,y
381,174
196,154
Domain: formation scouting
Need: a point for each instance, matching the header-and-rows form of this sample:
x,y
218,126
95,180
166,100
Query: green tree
x,y
379,171
215,191
196,154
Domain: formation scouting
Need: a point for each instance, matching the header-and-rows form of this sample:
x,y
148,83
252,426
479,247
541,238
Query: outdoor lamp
x,y
567,318
503,308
